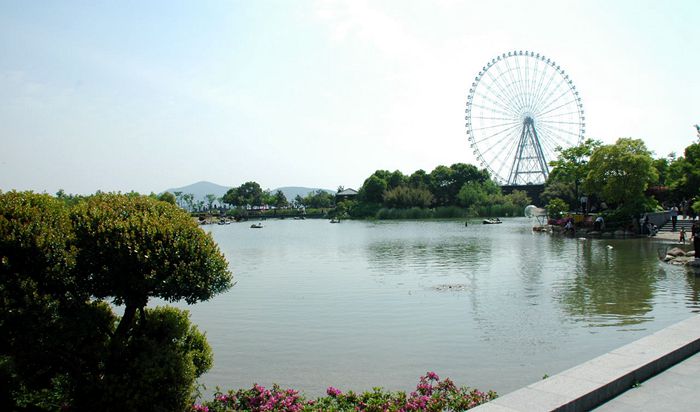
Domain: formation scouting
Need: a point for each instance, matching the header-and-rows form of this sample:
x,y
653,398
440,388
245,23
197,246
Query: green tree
x,y
164,360
280,200
472,193
405,197
231,197
60,347
684,173
250,193
571,168
319,199
188,199
167,197
52,340
373,189
519,198
620,173
556,207
440,182
211,198
419,179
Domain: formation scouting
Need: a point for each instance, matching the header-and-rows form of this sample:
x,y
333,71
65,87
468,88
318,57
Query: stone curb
x,y
592,383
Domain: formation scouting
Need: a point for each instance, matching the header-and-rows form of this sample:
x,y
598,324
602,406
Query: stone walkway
x,y
620,379
676,389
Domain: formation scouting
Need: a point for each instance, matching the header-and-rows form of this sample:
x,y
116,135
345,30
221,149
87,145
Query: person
x,y
681,238
695,237
599,223
674,217
569,227
647,227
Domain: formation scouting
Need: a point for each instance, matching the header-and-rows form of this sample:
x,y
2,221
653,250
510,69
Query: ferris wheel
x,y
521,107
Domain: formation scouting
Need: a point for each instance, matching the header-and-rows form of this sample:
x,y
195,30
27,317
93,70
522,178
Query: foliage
x,y
318,199
431,394
406,197
164,360
519,198
561,190
556,207
571,166
249,193
684,173
167,197
372,190
280,200
620,173
61,347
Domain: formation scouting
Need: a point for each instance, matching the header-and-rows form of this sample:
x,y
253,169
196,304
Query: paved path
x,y
676,389
610,382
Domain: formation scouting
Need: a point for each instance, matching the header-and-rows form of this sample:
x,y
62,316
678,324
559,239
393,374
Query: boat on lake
x,y
256,226
335,220
495,221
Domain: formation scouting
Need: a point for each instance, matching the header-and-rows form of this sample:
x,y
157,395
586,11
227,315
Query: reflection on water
x,y
362,304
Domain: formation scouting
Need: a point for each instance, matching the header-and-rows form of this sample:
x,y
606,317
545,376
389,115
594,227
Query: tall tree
x,y
571,168
211,198
280,200
621,172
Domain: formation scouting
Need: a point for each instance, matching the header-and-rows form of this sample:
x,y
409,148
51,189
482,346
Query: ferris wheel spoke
x,y
558,122
494,102
495,126
507,119
577,112
561,134
504,101
558,107
502,90
491,109
505,163
555,100
502,83
511,99
521,85
485,138
506,143
543,91
541,75
514,82
550,143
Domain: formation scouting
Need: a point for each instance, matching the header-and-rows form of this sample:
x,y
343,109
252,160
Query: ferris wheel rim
x,y
518,98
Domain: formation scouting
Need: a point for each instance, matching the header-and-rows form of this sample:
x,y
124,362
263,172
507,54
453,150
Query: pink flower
x,y
331,391
433,376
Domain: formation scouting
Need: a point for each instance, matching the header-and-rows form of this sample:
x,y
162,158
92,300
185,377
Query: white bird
x,y
610,247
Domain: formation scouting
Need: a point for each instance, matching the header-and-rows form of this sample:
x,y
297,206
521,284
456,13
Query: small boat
x,y
256,226
335,220
495,221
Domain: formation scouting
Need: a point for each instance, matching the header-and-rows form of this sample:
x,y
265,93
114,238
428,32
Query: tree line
x,y
622,179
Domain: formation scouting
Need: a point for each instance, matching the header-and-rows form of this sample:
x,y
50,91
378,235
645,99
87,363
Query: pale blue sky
x,y
150,95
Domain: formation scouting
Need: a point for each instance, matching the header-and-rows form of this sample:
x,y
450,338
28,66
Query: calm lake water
x,y
362,304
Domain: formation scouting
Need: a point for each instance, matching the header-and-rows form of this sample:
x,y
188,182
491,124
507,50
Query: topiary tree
x,y
60,347
165,358
53,338
132,248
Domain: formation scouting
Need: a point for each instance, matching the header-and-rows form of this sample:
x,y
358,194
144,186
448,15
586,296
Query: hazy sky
x,y
147,95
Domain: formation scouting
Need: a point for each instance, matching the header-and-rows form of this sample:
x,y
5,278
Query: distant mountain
x,y
290,192
201,189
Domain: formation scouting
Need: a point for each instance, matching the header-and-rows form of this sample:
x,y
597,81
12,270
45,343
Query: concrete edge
x,y
592,383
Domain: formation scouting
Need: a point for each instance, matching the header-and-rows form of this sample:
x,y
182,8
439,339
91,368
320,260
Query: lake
x,y
362,304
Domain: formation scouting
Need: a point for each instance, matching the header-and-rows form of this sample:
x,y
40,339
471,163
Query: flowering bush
x,y
431,395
